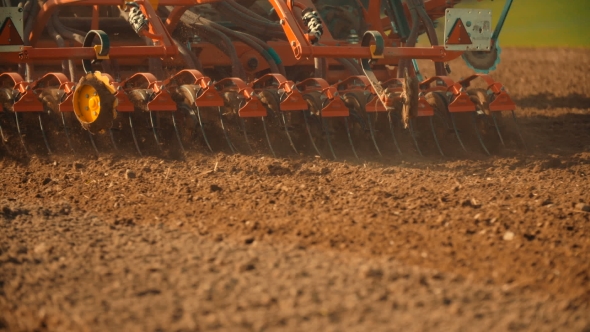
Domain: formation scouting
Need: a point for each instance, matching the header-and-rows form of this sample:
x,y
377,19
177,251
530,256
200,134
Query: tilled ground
x,y
238,242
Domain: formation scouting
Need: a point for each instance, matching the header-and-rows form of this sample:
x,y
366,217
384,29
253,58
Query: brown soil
x,y
236,242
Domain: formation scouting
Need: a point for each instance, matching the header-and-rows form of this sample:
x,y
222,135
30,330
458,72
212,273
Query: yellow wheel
x,y
95,103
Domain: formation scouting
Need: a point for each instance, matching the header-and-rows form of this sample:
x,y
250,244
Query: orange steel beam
x,y
95,14
302,47
29,53
51,5
299,44
174,17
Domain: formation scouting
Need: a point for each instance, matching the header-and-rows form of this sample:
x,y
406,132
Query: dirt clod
x,y
129,174
583,207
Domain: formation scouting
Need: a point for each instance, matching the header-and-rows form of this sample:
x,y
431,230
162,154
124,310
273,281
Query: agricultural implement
x,y
327,77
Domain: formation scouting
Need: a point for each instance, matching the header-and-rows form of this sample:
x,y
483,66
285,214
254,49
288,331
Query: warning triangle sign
x,y
8,34
458,34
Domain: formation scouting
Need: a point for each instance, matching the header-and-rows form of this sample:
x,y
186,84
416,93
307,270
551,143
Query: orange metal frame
x,y
289,12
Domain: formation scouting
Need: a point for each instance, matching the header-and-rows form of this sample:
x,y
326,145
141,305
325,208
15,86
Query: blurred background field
x,y
539,23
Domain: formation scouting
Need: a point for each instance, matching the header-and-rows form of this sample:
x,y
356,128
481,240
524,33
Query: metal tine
x,y
134,136
474,122
281,97
497,128
267,137
284,120
4,140
154,130
390,119
372,130
242,124
457,131
191,112
350,138
323,125
44,135
67,132
413,134
112,136
22,140
177,134
307,126
278,98
93,143
360,106
435,137
328,137
225,133
518,130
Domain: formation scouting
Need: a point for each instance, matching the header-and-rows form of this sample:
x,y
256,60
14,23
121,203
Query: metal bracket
x,y
101,50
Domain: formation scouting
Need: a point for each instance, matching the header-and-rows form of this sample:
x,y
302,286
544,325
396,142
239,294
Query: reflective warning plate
x,y
11,29
468,29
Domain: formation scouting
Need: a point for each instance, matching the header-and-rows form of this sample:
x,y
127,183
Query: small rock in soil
x,y
40,248
583,207
215,188
370,272
508,236
78,165
247,267
46,181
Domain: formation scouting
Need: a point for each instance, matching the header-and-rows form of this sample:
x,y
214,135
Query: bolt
x,y
293,43
252,63
282,22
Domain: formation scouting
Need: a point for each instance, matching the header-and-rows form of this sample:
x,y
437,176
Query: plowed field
x,y
254,243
